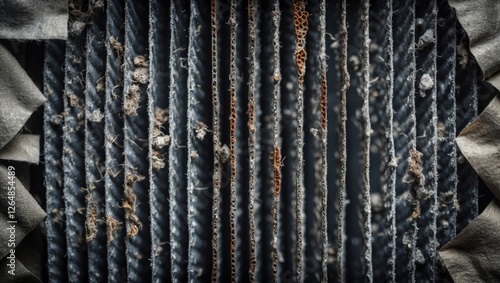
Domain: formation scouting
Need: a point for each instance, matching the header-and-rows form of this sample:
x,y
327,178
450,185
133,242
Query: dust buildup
x,y
72,99
426,83
141,70
131,101
194,154
112,226
76,27
416,178
130,203
414,173
224,154
201,131
56,119
157,159
100,85
426,39
159,139
91,221
96,116
315,132
116,45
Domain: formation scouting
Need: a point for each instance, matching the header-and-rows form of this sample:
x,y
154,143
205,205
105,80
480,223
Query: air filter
x,y
268,141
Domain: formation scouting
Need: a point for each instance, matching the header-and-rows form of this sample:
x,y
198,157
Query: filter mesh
x,y
258,141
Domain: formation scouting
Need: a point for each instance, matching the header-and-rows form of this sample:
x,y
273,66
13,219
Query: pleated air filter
x,y
237,141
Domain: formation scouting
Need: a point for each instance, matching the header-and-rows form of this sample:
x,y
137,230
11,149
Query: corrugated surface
x,y
257,141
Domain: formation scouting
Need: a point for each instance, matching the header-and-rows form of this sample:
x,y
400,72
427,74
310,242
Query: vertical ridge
x,y
426,113
179,17
301,23
287,216
381,153
276,155
200,146
404,134
217,143
94,142
366,134
345,83
74,143
159,140
264,195
323,105
253,125
53,89
136,124
113,143
312,153
233,68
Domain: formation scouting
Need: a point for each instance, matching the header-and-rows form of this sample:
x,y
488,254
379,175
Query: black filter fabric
x,y
267,141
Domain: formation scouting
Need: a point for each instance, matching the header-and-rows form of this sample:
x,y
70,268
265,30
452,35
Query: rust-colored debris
x,y
323,101
277,171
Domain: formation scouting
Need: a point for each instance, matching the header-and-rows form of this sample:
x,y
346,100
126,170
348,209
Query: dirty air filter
x,y
257,141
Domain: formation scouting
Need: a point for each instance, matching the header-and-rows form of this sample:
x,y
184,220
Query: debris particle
x,y
374,47
132,178
161,140
441,130
116,45
426,39
72,99
96,116
426,83
77,27
141,71
113,226
131,102
91,221
276,77
394,162
315,133
354,62
194,155
100,86
407,240
201,131
419,257
161,116
224,154
141,75
158,161
141,61
56,119
377,203
414,172
59,216
130,203
416,211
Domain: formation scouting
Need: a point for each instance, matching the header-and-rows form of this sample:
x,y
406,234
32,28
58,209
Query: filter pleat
x,y
74,144
53,76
